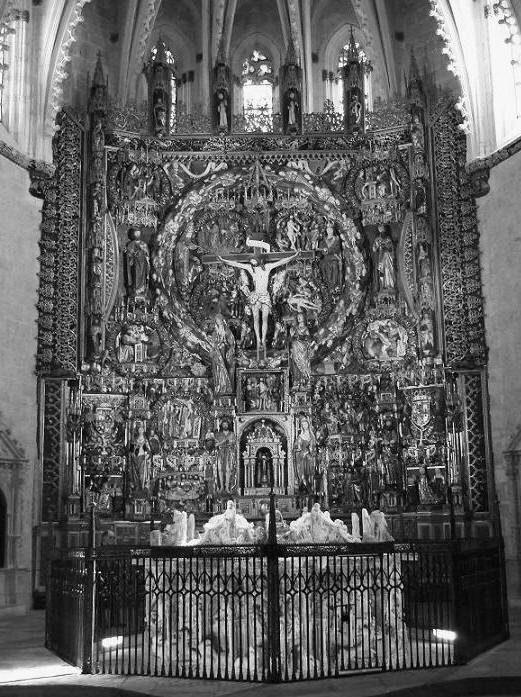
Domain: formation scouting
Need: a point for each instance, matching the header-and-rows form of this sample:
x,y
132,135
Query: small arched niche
x,y
263,458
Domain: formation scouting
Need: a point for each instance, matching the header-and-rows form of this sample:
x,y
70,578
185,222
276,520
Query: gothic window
x,y
338,86
3,66
8,52
257,89
168,57
505,57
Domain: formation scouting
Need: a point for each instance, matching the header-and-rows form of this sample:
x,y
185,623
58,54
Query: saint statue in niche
x,y
426,332
383,248
259,299
356,109
292,231
225,461
222,353
159,115
222,106
137,265
225,341
140,460
292,109
304,456
154,441
331,262
425,492
299,351
221,376
263,468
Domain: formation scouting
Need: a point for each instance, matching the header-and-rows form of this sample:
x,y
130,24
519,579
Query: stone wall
x,y
413,28
500,227
20,219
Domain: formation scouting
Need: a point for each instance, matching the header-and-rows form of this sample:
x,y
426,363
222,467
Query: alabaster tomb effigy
x,y
317,634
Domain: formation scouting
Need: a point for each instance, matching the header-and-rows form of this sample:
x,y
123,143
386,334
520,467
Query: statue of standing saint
x,y
331,262
300,364
292,110
225,461
222,107
304,457
383,247
140,471
221,374
137,265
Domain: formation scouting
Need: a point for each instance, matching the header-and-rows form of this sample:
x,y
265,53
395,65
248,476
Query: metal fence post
x,y
89,601
461,643
273,634
50,591
382,557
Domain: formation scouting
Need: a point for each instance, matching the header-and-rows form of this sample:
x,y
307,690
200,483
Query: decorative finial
x,y
99,79
221,52
414,72
291,56
353,53
414,88
160,56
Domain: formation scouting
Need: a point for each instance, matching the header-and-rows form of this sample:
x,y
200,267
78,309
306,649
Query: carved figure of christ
x,y
259,299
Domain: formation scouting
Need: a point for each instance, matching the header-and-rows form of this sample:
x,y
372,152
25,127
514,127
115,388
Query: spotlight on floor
x,y
444,634
110,642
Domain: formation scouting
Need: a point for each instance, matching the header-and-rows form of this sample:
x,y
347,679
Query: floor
x,y
27,668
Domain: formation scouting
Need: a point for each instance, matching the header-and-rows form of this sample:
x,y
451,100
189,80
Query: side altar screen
x,y
226,315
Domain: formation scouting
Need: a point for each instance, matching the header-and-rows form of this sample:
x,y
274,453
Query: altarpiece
x,y
223,314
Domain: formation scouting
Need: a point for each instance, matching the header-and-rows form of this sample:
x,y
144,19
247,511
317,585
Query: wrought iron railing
x,y
273,612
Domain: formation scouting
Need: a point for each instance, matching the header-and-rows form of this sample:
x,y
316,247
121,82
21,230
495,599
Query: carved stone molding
x,y
24,161
460,273
41,176
294,23
480,169
479,177
64,56
441,13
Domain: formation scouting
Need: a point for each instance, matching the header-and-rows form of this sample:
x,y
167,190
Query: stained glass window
x,y
5,32
257,90
505,58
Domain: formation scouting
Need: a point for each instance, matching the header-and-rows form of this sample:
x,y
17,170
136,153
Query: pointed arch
x,y
65,21
143,27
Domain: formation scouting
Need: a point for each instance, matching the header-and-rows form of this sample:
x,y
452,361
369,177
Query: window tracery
x,y
11,46
505,58
257,90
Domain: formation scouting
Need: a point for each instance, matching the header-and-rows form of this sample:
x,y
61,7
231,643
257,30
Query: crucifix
x,y
258,266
